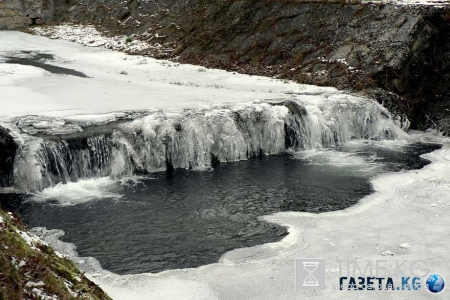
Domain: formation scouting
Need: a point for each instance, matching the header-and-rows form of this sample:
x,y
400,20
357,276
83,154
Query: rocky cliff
x,y
16,14
12,14
400,55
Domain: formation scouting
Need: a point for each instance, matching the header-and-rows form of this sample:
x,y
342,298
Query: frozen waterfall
x,y
199,138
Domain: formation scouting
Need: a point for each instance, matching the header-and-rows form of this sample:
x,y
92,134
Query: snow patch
x,y
30,239
31,284
88,35
17,264
405,246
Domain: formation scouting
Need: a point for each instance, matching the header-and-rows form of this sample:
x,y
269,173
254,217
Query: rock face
x,y
16,14
8,148
12,14
398,54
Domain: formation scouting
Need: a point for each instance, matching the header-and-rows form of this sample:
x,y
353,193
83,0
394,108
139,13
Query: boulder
x,y
8,149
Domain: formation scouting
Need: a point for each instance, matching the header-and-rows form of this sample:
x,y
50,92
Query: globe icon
x,y
435,283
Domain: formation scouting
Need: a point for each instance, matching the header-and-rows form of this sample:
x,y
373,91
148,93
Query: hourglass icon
x,y
310,274
310,267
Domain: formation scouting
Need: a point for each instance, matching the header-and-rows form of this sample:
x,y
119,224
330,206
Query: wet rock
x,y
8,148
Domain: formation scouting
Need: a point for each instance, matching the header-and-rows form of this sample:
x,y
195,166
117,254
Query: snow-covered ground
x,y
116,81
436,3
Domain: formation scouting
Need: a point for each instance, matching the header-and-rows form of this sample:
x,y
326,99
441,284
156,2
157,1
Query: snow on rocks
x,y
405,246
36,290
31,239
340,61
31,270
31,284
41,295
17,264
69,287
89,36
437,3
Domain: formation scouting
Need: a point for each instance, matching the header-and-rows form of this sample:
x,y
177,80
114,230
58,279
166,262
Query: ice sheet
x,y
156,84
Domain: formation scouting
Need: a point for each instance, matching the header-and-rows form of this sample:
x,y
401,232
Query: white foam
x,y
81,191
392,145
347,156
342,160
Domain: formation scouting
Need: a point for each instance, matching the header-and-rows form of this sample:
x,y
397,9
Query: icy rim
x,y
407,208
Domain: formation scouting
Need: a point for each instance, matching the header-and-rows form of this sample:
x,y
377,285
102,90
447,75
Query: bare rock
x,y
8,148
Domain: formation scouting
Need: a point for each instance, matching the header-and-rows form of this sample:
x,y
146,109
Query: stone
x,y
8,148
16,14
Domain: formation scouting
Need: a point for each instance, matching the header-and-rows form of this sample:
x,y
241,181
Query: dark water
x,y
191,218
39,60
